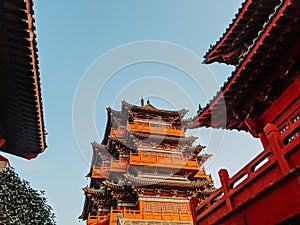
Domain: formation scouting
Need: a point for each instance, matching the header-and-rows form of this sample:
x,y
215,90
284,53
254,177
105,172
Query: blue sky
x,y
74,37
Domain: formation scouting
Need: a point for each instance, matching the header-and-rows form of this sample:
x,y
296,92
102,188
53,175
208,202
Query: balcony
x,y
101,171
119,132
155,128
136,215
117,166
97,220
162,160
107,167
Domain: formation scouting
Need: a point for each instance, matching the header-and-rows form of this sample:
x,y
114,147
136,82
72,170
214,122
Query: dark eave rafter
x,y
240,34
20,92
257,68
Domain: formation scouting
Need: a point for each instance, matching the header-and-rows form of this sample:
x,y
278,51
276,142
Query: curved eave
x,y
97,145
85,210
112,185
274,47
20,93
108,126
241,32
208,191
161,182
92,191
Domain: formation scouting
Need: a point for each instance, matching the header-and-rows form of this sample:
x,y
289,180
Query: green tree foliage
x,y
20,204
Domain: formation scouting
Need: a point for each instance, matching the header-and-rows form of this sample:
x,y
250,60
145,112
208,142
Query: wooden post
x,y
273,136
224,178
194,203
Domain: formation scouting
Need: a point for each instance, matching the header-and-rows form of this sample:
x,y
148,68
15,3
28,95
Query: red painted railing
x,y
138,215
2,142
98,220
265,191
105,168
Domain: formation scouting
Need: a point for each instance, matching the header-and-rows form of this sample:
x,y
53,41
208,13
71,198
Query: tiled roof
x,y
150,108
254,84
21,114
239,35
166,182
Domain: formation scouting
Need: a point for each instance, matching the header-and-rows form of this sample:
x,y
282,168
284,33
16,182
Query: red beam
x,y
2,141
265,191
247,59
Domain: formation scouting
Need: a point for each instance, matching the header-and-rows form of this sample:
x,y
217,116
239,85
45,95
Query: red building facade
x,y
260,97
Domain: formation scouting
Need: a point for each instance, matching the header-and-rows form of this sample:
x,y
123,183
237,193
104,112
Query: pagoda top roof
x,y
97,145
126,108
267,67
21,114
151,109
241,33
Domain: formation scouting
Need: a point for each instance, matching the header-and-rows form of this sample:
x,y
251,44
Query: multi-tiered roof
x,y
147,166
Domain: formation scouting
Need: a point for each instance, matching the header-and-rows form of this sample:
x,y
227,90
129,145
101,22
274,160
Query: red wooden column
x,y
273,135
194,204
2,141
224,178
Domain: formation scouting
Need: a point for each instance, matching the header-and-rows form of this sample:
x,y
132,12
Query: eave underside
x,y
239,35
21,114
271,64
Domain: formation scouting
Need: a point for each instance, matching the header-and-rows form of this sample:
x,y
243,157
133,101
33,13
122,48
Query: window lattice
x,y
163,208
170,208
177,208
184,209
147,207
155,207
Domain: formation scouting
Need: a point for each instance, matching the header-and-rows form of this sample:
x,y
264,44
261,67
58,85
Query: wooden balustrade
x,y
100,171
117,166
290,133
155,129
163,159
98,220
107,167
264,174
144,215
113,216
119,132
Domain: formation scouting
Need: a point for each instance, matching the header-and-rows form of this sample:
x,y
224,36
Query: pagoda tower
x,y
146,170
